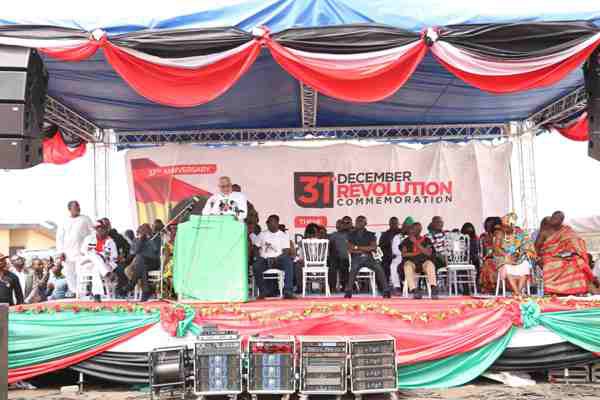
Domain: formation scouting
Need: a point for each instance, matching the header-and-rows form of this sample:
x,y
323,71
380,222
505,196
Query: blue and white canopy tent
x,y
96,99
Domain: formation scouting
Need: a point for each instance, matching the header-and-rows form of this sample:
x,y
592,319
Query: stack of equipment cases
x,y
372,364
271,366
323,365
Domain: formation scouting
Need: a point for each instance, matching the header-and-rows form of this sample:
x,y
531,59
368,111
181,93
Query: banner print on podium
x,y
322,184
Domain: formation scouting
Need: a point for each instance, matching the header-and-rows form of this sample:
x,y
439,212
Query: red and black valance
x,y
361,63
57,150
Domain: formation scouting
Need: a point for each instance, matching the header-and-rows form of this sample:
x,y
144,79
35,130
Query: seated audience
x,y
437,236
474,248
99,258
417,255
147,258
273,252
563,257
513,251
24,275
123,249
385,243
10,288
488,273
340,263
311,231
57,283
39,280
129,235
361,243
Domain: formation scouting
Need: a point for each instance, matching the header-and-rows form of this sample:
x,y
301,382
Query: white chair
x,y
315,252
457,256
365,274
274,274
84,285
502,282
419,278
153,280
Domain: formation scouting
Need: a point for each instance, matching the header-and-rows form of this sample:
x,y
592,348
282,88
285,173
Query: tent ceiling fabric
x,y
118,16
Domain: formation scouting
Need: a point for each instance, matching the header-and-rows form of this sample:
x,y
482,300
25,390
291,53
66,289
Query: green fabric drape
x,y
39,338
454,370
580,327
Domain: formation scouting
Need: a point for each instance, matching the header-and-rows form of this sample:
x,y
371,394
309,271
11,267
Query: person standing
x,y
69,239
25,278
417,256
273,252
385,243
340,263
361,243
226,201
10,289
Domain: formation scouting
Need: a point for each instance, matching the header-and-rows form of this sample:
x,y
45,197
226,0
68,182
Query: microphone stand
x,y
162,233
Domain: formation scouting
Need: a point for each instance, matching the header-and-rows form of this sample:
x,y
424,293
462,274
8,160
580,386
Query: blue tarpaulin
x,y
268,97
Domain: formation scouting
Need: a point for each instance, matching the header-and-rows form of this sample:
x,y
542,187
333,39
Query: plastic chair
x,y
84,284
420,278
365,274
153,279
315,252
502,282
457,257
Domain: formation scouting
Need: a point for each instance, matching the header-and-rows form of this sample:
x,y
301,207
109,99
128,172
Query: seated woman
x,y
488,273
512,251
564,259
168,251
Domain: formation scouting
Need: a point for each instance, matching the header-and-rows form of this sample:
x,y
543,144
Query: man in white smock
x,y
69,238
226,201
100,258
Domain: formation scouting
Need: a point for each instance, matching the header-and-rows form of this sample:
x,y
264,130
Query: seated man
x,y
147,258
273,252
563,257
361,243
437,235
100,258
417,254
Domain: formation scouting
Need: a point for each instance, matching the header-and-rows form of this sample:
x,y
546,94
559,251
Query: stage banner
x,y
460,182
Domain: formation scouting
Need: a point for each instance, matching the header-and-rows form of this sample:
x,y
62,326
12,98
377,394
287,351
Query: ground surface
x,y
483,391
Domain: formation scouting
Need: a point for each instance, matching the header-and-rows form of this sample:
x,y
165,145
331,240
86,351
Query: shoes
x,y
97,298
434,293
387,294
146,296
416,293
348,295
260,297
289,296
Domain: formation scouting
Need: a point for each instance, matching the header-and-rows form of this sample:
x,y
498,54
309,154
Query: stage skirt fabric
x,y
439,344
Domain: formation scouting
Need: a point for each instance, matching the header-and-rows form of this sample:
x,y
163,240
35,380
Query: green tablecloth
x,y
211,259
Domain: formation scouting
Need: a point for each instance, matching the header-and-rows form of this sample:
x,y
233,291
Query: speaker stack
x,y
23,86
592,85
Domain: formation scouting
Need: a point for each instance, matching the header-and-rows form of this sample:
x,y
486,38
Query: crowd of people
x,y
93,259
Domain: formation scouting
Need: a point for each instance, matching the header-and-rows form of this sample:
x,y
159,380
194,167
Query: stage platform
x,y
459,337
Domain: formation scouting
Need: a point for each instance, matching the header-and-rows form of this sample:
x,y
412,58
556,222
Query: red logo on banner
x,y
303,221
313,189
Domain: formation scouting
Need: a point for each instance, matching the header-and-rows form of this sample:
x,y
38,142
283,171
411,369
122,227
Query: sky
x,y
567,179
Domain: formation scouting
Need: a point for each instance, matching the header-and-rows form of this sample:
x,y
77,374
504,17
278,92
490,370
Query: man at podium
x,y
226,201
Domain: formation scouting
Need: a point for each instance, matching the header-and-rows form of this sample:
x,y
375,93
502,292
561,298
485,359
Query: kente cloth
x,y
513,248
488,274
565,262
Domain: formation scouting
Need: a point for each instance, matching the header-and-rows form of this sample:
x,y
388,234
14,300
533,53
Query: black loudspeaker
x,y
23,87
592,85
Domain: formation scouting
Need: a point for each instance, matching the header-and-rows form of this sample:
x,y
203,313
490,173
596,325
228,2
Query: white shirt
x,y
234,203
71,234
396,241
109,252
272,244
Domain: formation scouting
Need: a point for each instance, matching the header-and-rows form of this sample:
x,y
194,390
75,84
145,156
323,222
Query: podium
x,y
210,260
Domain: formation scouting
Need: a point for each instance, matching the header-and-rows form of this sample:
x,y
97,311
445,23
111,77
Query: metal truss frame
x,y
388,132
308,99
70,122
561,108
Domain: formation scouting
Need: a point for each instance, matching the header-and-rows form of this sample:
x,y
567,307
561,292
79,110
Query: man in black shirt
x,y
361,243
9,284
417,257
145,260
123,249
385,242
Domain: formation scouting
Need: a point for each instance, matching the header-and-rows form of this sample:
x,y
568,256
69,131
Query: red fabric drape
x,y
347,84
526,81
577,130
77,53
181,87
56,150
444,334
19,374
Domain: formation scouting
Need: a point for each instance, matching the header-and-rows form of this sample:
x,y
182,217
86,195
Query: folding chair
x,y
457,256
315,253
